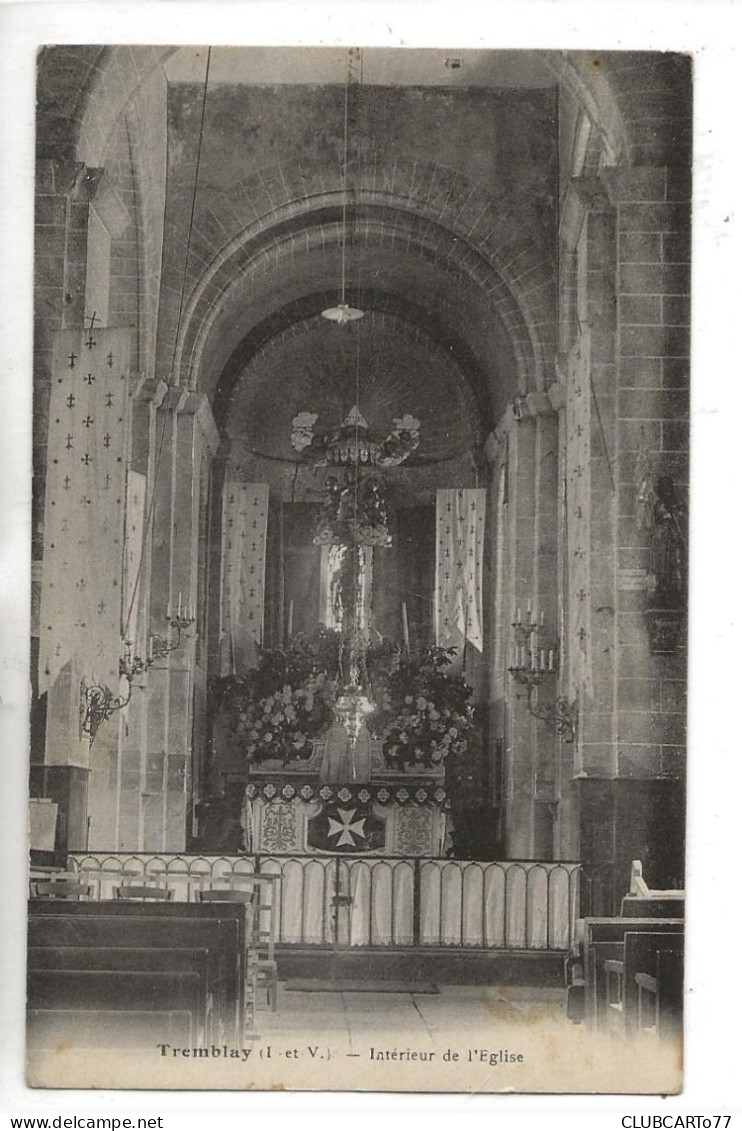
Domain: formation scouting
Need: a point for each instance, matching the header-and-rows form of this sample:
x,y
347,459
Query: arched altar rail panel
x,y
375,901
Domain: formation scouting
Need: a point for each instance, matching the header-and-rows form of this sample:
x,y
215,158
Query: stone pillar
x,y
142,795
117,779
653,420
186,436
628,237
530,574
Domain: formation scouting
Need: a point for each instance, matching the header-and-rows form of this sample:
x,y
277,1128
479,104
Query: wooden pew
x,y
121,960
110,992
604,946
654,983
219,929
144,935
643,902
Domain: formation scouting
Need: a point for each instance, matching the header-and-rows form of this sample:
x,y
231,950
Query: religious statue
x,y
668,546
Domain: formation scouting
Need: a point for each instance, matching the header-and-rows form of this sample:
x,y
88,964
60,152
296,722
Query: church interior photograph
x,y
359,562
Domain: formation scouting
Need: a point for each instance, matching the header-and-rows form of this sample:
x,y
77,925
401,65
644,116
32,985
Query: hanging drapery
x,y
458,567
244,525
89,426
577,501
135,629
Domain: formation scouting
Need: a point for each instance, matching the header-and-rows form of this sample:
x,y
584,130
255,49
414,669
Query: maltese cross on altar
x,y
346,828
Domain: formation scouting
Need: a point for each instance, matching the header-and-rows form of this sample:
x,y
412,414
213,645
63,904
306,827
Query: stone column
x,y
529,566
142,794
628,234
186,437
118,773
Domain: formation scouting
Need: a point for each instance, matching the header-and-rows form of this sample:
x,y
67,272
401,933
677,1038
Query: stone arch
x,y
444,217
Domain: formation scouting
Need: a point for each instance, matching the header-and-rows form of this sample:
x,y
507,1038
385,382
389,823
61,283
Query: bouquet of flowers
x,y
424,714
288,700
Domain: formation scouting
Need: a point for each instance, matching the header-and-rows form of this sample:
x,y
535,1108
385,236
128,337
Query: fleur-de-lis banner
x,y
244,524
135,625
458,566
577,488
89,426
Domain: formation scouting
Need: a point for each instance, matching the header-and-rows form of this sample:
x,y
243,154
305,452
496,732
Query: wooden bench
x,y
121,960
219,930
654,984
135,992
604,947
643,902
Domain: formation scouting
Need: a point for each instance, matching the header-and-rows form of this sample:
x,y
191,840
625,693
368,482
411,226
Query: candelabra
x,y
534,661
98,703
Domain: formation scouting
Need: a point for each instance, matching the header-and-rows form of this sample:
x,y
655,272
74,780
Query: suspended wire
x,y
344,181
358,263
170,383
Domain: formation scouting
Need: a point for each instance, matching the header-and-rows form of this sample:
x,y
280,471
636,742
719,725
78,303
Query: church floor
x,y
354,1021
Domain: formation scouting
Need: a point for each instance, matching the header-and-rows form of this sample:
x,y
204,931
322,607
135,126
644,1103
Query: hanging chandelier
x,y
343,312
354,443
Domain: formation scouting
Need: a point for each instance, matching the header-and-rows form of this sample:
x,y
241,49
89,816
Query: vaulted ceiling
x,y
445,203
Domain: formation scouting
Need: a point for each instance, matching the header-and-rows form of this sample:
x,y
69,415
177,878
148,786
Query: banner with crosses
x,y
577,502
135,625
458,567
244,526
89,426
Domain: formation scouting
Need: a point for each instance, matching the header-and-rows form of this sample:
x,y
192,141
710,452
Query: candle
x,y
543,660
551,659
528,607
169,613
180,602
533,661
290,626
542,619
517,617
405,628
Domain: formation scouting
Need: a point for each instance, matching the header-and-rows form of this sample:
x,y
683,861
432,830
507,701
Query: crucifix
x,y
69,441
88,420
109,360
90,378
71,400
72,357
109,400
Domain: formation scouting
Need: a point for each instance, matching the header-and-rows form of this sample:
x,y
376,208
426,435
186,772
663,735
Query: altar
x,y
291,809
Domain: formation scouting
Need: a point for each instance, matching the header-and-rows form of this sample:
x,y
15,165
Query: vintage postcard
x,y
360,567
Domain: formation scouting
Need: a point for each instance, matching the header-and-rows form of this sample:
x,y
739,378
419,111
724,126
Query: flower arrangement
x,y
424,713
288,700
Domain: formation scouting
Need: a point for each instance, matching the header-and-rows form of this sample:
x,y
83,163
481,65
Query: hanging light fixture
x,y
343,313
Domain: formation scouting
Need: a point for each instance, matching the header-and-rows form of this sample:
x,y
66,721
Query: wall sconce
x,y
534,661
98,703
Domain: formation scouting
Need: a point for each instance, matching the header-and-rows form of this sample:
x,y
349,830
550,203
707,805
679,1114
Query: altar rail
x,y
378,901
